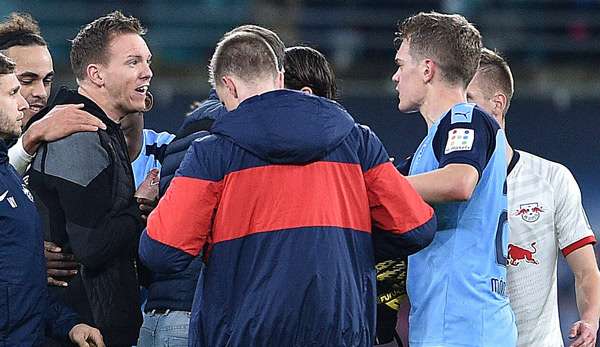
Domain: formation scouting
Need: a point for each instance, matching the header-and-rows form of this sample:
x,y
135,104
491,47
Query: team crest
x,y
27,192
529,212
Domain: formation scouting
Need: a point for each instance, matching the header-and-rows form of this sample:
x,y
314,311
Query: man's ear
x,y
231,86
95,75
500,101
280,83
307,90
429,70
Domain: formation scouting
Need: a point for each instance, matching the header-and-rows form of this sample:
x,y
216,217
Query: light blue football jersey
x,y
457,285
151,155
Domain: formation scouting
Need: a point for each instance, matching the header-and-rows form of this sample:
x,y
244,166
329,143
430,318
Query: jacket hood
x,y
286,126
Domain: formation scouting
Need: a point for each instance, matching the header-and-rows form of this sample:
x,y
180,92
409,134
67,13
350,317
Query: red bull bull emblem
x,y
517,254
529,212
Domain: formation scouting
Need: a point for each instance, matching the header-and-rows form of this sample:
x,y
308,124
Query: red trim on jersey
x,y
395,205
578,244
279,197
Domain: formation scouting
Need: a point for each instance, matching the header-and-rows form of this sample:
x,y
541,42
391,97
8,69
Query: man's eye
x,y
26,81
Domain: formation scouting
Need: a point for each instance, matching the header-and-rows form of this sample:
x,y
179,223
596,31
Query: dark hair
x,y
245,55
92,42
268,35
497,74
7,66
20,29
449,40
307,67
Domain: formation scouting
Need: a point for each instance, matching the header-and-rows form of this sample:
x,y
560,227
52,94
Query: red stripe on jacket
x,y
395,205
183,216
278,197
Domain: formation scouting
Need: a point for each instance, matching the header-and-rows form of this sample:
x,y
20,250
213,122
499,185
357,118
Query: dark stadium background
x,y
552,46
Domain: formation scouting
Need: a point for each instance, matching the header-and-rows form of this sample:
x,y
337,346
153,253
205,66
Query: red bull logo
x,y
529,212
518,254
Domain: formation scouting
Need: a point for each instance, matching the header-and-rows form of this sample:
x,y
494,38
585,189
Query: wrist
x,y
32,139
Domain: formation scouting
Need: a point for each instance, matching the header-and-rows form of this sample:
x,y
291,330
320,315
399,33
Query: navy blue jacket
x,y
283,195
176,291
26,310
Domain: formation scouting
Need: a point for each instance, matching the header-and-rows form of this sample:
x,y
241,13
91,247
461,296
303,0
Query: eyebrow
x,y
137,56
28,74
34,75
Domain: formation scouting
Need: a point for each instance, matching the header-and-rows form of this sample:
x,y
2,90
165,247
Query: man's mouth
x,y
142,89
36,107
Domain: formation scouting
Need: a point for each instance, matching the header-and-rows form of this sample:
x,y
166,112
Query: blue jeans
x,y
169,329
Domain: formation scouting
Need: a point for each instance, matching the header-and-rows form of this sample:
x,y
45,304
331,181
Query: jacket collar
x,y
3,152
69,96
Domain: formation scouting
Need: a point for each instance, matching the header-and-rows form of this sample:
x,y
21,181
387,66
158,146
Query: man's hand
x,y
583,333
85,336
146,206
59,264
61,121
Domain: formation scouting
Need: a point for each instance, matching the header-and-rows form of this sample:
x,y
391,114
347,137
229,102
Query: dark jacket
x,y
26,309
282,196
176,291
84,190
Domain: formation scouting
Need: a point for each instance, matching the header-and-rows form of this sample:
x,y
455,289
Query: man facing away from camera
x,y
281,197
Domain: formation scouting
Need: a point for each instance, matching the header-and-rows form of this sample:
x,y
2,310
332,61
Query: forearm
x,y
59,318
32,138
587,291
451,183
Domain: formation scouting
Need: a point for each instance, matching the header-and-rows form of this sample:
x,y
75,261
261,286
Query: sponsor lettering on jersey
x,y
498,286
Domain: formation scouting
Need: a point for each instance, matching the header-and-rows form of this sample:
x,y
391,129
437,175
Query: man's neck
x,y
439,101
134,136
102,101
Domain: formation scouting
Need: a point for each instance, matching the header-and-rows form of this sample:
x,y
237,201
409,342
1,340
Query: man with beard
x,y
27,310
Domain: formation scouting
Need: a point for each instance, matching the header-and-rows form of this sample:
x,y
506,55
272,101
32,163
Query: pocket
x,y
177,342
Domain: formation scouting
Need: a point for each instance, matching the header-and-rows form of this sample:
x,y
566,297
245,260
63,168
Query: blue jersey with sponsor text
x,y
457,284
151,155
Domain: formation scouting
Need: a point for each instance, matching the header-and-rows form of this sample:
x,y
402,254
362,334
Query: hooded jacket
x,y
175,291
282,197
26,309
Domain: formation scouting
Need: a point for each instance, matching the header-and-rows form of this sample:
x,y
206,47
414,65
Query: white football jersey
x,y
545,215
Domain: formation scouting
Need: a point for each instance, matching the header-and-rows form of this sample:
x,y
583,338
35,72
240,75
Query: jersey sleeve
x,y
466,136
572,227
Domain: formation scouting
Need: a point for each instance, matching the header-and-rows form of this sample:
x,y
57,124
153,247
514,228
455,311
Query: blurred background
x,y
553,48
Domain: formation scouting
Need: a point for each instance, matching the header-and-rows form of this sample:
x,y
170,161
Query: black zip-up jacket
x,y
84,191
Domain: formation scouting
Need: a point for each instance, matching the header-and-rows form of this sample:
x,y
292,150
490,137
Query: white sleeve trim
x,y
18,157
